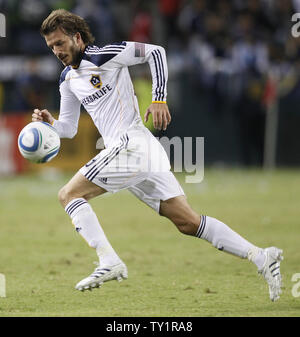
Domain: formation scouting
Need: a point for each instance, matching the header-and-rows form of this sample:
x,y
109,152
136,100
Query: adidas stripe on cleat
x,y
103,274
271,271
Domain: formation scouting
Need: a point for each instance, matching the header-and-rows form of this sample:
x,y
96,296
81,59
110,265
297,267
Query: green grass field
x,y
43,257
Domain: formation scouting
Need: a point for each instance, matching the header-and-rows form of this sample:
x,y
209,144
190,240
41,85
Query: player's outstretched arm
x,y
42,116
161,115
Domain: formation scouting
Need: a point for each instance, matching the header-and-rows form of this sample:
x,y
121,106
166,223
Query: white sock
x,y
224,238
257,256
87,225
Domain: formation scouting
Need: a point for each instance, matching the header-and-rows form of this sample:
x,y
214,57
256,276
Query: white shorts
x,y
156,188
138,163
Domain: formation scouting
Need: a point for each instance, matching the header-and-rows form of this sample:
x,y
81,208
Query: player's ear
x,y
77,37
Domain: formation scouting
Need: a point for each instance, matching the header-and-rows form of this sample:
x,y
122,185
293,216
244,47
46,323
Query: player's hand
x,y
42,116
161,115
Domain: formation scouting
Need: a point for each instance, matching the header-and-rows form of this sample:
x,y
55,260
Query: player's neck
x,y
77,60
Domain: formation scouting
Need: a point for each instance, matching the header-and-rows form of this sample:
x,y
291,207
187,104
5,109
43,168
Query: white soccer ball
x,y
38,142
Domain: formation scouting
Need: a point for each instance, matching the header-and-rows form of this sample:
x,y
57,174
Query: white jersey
x,y
102,84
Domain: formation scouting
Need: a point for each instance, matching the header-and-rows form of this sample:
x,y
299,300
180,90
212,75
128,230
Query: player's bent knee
x,y
64,196
181,214
61,196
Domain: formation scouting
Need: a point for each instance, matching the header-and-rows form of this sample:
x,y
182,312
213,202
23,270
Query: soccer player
x,y
133,159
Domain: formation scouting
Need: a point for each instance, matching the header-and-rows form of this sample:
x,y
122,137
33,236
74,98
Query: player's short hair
x,y
69,23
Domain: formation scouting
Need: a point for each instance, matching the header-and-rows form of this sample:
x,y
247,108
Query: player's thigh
x,y
179,211
79,187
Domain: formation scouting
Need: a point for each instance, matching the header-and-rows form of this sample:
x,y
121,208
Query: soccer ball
x,y
38,142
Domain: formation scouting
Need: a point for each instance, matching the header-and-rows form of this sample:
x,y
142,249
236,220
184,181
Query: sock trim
x,y
201,226
74,204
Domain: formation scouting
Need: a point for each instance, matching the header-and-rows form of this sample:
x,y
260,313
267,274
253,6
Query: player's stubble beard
x,y
76,55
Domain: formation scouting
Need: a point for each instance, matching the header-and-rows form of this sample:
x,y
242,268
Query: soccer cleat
x,y
271,271
103,274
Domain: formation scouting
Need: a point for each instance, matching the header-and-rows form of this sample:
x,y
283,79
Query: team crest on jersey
x,y
96,81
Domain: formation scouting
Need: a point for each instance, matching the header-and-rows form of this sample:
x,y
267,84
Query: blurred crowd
x,y
228,49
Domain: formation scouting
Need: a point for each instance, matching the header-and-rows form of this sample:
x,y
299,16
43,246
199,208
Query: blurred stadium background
x,y
233,75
